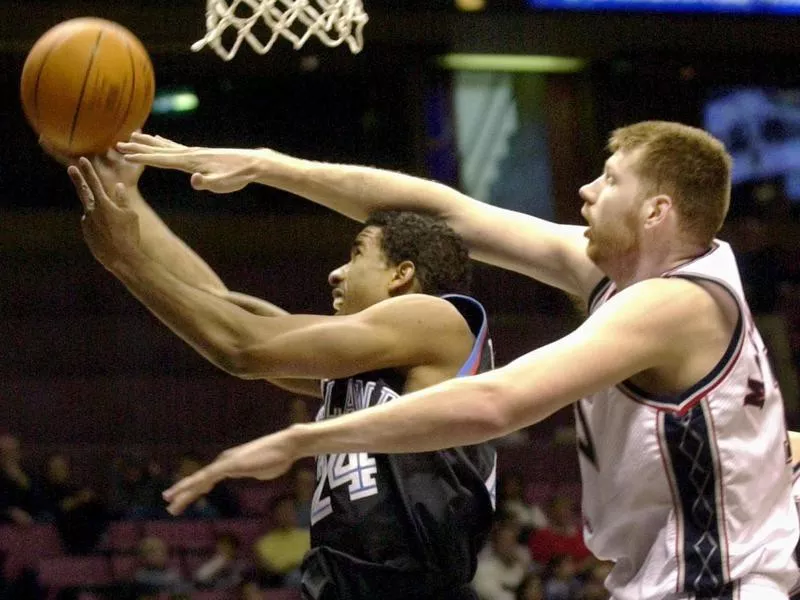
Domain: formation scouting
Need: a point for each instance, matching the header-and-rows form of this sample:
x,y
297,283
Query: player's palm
x,y
110,228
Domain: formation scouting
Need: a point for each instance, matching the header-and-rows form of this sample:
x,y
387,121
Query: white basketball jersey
x,y
690,495
795,593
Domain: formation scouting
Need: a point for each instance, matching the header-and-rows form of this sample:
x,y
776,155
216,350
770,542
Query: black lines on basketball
x,y
132,91
47,54
83,87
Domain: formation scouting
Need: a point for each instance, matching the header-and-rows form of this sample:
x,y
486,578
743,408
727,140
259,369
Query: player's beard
x,y
613,241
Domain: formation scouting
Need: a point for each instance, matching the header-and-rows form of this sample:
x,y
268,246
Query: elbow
x,y
240,362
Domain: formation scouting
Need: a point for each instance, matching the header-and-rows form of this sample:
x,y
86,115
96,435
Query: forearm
x,y
458,412
356,191
160,244
214,327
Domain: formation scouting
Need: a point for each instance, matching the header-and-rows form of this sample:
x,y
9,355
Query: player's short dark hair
x,y
439,254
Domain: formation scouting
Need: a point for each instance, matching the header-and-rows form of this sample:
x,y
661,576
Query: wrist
x,y
273,168
300,441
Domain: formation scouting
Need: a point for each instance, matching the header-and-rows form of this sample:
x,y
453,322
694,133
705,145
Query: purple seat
x,y
122,536
254,499
123,566
192,536
247,531
74,571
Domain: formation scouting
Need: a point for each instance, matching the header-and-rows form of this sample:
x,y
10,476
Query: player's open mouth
x,y
338,299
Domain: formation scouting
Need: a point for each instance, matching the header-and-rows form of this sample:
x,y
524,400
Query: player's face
x,y
365,279
612,208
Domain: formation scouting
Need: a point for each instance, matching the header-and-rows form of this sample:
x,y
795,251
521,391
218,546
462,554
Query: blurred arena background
x,y
511,103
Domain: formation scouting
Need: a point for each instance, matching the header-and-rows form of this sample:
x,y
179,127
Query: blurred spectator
x,y
249,591
511,499
225,569
154,575
280,552
560,580
20,499
79,515
531,588
594,585
220,502
562,536
136,488
503,563
299,411
304,481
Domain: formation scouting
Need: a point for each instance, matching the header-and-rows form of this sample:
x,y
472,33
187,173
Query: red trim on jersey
x,y
718,466
668,471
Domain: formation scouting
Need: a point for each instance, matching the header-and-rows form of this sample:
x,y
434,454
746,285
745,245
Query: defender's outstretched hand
x,y
220,170
266,458
110,228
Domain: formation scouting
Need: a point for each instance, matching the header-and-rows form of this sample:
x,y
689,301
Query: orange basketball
x,y
86,84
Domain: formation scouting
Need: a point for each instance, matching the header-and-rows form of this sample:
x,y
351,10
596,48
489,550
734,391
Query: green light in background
x,y
175,102
513,63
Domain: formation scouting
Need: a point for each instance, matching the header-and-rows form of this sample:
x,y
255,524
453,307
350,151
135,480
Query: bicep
x,y
624,337
335,347
552,253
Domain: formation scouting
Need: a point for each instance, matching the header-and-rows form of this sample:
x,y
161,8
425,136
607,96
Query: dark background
x,y
83,365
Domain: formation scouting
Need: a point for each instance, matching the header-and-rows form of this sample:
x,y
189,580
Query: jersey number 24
x,y
356,470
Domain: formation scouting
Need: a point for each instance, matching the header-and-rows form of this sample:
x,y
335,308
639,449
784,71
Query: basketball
x,y
86,84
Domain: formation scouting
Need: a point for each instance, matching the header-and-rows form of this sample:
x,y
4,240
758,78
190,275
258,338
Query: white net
x,y
261,22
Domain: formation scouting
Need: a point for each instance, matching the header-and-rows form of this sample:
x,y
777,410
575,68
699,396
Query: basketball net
x,y
332,21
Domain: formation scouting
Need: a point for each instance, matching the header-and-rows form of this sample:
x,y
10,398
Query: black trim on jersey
x,y
732,351
693,469
597,292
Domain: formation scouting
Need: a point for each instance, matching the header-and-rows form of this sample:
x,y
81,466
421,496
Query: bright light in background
x,y
511,63
470,5
173,102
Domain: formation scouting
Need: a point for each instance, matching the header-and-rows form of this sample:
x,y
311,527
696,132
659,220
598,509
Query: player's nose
x,y
588,191
336,276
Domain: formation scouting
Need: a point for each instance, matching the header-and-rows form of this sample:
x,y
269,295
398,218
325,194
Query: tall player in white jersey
x,y
684,459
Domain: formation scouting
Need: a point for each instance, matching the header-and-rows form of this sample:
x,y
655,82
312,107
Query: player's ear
x,y
404,277
656,209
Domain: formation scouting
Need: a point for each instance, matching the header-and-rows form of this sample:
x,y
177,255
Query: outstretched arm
x,y
157,240
554,254
159,243
253,346
629,334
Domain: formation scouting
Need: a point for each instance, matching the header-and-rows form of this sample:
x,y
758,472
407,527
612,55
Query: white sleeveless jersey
x,y
690,495
795,593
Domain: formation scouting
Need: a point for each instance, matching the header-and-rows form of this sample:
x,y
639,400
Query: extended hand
x,y
110,167
266,458
220,170
110,228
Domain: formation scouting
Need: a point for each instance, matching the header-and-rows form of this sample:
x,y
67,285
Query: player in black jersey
x,y
399,526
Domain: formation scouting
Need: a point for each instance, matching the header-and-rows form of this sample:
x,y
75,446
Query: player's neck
x,y
652,263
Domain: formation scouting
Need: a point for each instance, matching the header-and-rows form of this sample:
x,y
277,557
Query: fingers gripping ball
x,y
86,84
